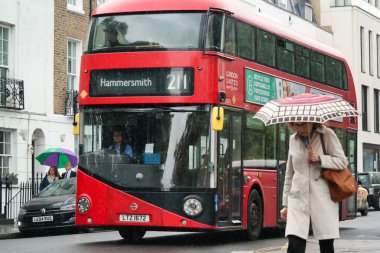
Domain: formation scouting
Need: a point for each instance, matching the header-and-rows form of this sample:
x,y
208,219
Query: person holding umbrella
x,y
55,158
306,196
51,175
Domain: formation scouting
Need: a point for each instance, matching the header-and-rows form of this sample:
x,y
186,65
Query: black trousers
x,y
298,245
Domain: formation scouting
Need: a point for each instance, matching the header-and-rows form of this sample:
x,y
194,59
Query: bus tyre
x,y
132,234
254,215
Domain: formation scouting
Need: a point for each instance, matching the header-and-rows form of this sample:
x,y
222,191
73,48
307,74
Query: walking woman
x,y
306,196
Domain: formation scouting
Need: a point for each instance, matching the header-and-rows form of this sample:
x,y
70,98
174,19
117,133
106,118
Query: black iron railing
x,y
11,93
10,206
71,102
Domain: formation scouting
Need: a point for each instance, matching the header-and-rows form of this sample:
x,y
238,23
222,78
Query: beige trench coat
x,y
305,193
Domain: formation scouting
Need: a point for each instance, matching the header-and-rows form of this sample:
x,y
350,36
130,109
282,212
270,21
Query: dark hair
x,y
56,173
123,144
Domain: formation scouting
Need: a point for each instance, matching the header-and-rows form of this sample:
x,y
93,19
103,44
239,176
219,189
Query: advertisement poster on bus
x,y
261,88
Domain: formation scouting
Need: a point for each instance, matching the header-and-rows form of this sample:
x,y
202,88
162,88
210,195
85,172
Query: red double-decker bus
x,y
179,83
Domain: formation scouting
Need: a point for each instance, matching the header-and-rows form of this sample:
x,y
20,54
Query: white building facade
x,y
27,58
356,28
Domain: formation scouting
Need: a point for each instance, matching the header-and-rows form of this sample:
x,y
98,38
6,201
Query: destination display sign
x,y
142,82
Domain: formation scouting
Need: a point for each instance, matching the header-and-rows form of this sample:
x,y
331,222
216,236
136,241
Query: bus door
x,y
229,189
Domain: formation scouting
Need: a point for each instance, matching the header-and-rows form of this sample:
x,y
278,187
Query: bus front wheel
x,y
132,234
254,215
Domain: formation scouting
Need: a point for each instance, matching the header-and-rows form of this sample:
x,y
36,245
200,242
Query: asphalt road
x,y
359,235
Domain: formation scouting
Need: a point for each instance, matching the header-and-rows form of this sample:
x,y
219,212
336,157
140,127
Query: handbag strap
x,y
323,144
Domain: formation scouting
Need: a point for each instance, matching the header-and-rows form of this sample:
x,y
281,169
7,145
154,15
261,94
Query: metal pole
x,y
33,168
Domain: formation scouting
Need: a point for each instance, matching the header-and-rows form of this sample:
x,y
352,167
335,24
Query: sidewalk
x,y
340,246
9,231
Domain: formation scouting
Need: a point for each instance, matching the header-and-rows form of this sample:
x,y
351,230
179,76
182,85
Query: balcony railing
x,y
11,93
71,102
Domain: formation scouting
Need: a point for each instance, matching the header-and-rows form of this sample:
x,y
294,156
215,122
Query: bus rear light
x,y
83,205
192,206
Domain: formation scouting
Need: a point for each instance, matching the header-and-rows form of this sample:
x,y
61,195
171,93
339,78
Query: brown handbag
x,y
341,182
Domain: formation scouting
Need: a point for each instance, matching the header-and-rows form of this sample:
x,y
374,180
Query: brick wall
x,y
67,24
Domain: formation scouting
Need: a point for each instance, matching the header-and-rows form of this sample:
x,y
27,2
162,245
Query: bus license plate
x,y
42,218
134,218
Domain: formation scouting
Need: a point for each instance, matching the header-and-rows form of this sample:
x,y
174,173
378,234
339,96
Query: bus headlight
x,y
192,206
83,205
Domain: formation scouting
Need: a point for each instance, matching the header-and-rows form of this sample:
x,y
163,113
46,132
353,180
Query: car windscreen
x,y
363,179
375,178
147,31
58,188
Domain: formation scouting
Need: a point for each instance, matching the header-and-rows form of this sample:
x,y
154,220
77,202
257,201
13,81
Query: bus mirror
x,y
217,118
76,124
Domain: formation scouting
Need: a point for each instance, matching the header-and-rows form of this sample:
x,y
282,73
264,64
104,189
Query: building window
x,y
376,111
370,158
73,58
364,108
378,54
362,51
75,6
5,152
370,52
99,2
4,51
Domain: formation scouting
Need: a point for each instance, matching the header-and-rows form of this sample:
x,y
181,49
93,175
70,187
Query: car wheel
x,y
255,215
364,212
132,234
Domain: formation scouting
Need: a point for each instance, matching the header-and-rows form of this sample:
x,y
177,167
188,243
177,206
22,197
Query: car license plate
x,y
134,217
42,218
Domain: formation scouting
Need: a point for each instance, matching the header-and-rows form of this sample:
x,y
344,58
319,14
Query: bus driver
x,y
119,144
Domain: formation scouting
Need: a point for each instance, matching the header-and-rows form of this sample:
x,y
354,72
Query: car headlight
x,y
68,207
371,191
83,205
192,206
22,211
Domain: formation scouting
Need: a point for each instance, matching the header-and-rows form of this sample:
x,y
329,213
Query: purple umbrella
x,y
57,157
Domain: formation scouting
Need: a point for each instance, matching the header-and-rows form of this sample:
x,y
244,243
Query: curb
x,y
12,235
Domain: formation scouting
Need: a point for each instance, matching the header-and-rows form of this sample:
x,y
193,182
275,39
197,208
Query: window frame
x,y
370,53
74,76
376,115
4,66
364,117
362,49
3,155
75,6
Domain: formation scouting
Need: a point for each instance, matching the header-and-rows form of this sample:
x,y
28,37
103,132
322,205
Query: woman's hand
x,y
284,213
313,156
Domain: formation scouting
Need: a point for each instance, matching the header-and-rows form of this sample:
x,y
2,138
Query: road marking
x,y
369,236
273,248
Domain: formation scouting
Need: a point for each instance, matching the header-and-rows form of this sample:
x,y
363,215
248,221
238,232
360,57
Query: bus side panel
x,y
267,181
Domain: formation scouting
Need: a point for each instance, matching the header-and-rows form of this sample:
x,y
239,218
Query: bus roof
x,y
240,8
